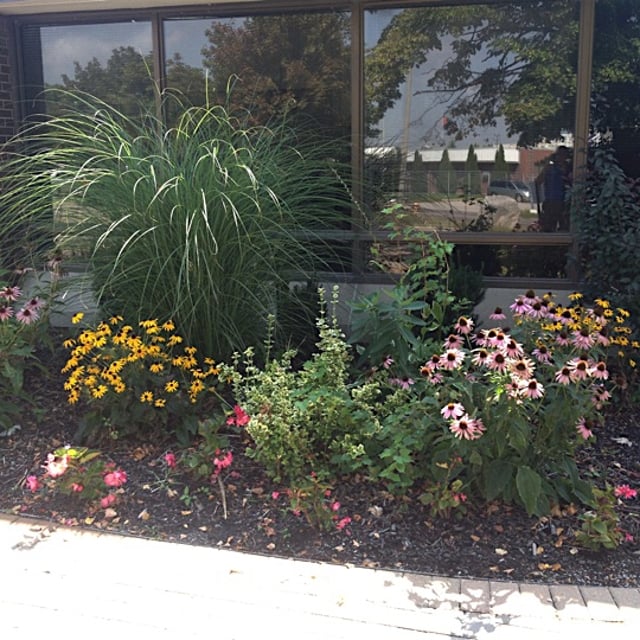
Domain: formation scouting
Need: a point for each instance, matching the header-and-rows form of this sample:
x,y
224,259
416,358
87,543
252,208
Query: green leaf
x,y
496,477
529,484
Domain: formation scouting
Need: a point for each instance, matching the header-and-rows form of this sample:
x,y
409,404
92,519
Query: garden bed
x,y
492,540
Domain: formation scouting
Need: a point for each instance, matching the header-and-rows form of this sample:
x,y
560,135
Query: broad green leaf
x,y
528,483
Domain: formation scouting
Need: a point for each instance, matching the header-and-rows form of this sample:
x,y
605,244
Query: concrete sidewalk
x,y
67,583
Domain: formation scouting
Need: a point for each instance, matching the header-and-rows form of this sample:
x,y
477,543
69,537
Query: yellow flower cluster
x,y
115,359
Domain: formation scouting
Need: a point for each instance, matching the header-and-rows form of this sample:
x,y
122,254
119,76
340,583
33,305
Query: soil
x,y
493,540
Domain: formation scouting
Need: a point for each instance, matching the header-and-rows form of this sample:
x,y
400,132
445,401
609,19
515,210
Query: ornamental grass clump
x,y
202,222
137,380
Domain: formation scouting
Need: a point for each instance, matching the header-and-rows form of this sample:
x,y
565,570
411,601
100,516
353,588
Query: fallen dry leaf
x,y
271,546
475,538
501,552
110,513
144,515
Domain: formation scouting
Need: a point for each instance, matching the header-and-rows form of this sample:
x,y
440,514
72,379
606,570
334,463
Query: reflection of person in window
x,y
555,179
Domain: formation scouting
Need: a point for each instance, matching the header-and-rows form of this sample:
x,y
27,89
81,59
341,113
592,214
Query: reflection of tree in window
x,y
298,64
515,61
124,81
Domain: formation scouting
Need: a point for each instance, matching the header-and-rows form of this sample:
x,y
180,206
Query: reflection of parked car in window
x,y
512,188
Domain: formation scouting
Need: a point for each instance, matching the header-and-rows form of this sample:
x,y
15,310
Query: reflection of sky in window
x,y
187,37
64,45
426,109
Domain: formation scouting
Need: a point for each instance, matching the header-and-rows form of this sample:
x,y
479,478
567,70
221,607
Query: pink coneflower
x,y
452,410
436,378
579,369
563,339
452,359
480,357
602,337
403,383
599,371
600,396
513,349
35,303
497,314
530,297
6,312
27,315
522,368
453,342
388,361
583,429
481,338
479,425
513,389
564,376
537,310
464,326
497,362
431,365
564,316
464,428
542,354
10,293
519,307
531,389
499,341
583,339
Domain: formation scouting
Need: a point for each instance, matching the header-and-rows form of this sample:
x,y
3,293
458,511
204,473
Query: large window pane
x,y
110,61
293,64
615,114
465,107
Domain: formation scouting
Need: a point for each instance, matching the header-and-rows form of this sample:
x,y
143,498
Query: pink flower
x,y
564,376
10,293
628,537
532,389
170,459
538,310
459,497
513,349
388,361
35,303
625,491
579,369
453,342
275,495
522,368
497,314
6,312
465,428
115,478
76,487
520,307
599,371
452,410
452,359
583,339
240,417
481,357
222,462
497,362
55,467
583,429
335,506
562,339
107,501
542,354
499,340
342,523
27,315
403,383
431,365
33,484
464,326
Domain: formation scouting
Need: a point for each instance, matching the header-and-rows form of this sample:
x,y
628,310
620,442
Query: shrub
x,y
201,222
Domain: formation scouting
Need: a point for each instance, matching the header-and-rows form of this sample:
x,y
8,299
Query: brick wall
x,y
6,89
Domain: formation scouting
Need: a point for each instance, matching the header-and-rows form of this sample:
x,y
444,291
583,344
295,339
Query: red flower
x,y
240,417
170,459
115,478
625,491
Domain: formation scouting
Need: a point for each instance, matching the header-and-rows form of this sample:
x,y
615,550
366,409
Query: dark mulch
x,y
492,541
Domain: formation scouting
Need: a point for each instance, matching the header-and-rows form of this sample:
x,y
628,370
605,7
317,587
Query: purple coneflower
x,y
520,307
583,339
497,362
583,429
465,428
464,326
513,349
10,293
452,410
542,354
599,371
497,314
452,359
531,389
564,376
27,315
6,312
480,357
